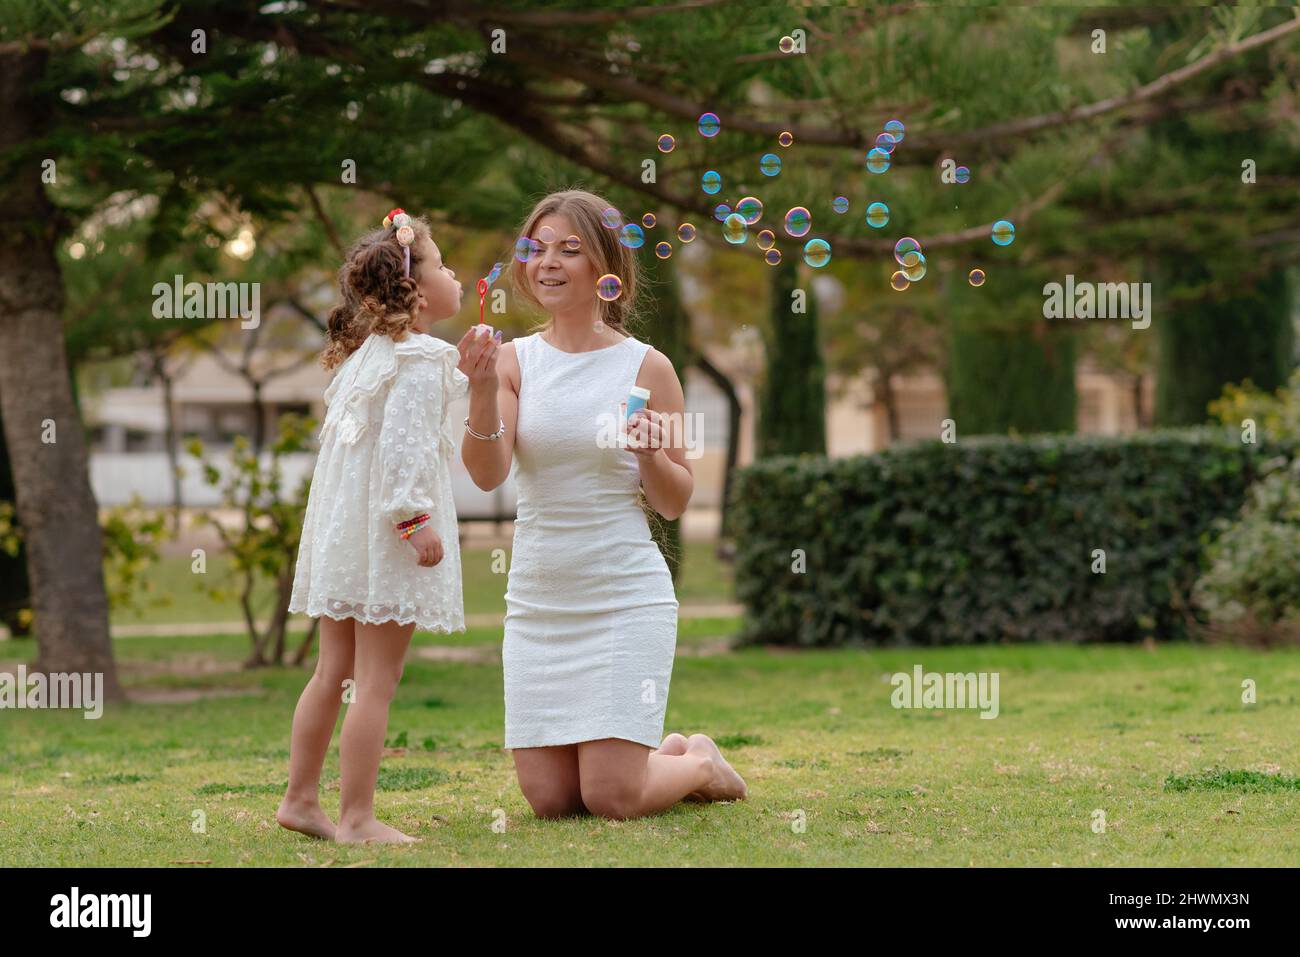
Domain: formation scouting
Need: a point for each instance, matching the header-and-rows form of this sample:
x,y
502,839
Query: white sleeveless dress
x,y
591,614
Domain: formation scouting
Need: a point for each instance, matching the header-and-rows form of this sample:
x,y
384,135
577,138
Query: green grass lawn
x,y
703,580
837,775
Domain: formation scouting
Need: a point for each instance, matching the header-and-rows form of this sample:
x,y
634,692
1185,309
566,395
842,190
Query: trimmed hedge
x,y
986,540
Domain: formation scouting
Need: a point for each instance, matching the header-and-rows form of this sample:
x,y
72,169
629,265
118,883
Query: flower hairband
x,y
405,234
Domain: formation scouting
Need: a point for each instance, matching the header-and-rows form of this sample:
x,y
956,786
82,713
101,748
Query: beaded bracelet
x,y
408,532
423,517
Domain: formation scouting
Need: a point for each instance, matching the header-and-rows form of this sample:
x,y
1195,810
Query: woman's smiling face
x,y
560,274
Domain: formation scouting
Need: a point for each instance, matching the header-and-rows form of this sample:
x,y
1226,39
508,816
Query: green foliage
x,y
792,403
1009,369
1276,416
131,537
987,540
266,546
1252,584
1217,338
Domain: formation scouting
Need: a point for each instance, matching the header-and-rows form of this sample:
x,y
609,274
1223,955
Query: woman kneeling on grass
x,y
591,619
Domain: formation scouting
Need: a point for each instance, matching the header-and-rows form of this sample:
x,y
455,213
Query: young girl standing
x,y
591,620
380,550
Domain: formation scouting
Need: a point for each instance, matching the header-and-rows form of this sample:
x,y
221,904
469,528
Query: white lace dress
x,y
591,614
385,453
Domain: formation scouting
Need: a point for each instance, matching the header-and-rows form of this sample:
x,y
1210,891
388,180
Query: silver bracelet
x,y
478,435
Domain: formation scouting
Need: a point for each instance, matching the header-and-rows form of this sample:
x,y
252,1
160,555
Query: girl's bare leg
x,y
549,779
313,726
623,779
380,655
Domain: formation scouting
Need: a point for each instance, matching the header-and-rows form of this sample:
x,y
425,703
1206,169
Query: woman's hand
x,y
478,358
647,432
428,545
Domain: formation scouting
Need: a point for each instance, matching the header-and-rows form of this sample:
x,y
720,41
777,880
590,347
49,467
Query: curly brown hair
x,y
377,297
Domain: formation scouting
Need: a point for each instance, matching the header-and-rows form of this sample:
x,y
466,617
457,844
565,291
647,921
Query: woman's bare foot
x,y
305,818
726,785
372,832
673,744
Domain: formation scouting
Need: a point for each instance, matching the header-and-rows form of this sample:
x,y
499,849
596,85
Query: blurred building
x,y
128,426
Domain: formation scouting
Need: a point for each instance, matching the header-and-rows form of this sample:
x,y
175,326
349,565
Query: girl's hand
x,y
478,357
427,545
646,432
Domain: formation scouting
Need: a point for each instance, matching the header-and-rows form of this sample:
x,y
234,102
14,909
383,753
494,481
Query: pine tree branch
x,y
561,60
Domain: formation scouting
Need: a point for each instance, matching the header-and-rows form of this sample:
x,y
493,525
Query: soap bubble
x,y
734,229
910,259
914,266
1004,234
895,129
886,142
877,215
663,250
785,138
709,124
899,281
786,44
770,164
632,236
905,245
772,257
546,235
721,211
609,287
751,207
765,239
648,220
962,174
840,204
526,249
666,143
685,232
711,181
495,273
798,221
611,218
817,253
976,277
877,160
572,244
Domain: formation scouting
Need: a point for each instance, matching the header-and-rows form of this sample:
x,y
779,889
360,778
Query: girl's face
x,y
562,278
442,293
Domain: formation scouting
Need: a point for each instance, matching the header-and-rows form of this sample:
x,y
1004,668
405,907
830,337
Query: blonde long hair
x,y
599,242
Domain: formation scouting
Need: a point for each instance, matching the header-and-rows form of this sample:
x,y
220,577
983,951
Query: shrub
x,y
989,539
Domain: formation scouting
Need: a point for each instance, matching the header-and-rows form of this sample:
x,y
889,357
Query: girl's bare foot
x,y
673,744
372,832
726,785
305,818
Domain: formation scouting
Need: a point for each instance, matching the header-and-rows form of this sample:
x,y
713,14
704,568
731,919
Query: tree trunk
x,y
733,431
886,397
171,438
65,550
